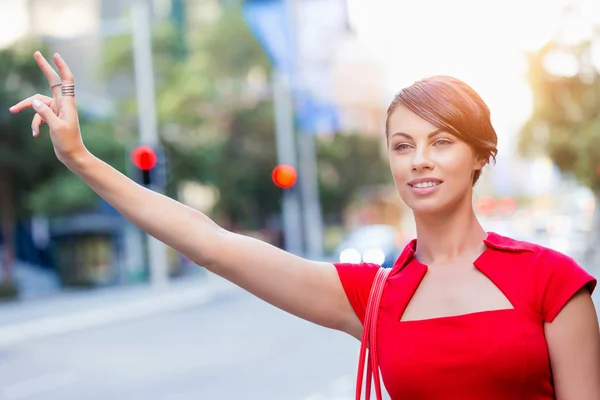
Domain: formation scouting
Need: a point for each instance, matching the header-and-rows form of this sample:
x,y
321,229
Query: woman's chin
x,y
427,211
427,208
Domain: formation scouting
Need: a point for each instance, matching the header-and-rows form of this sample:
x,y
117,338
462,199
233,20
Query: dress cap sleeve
x,y
560,278
357,280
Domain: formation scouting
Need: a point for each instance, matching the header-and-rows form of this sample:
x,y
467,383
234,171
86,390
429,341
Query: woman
x,y
465,314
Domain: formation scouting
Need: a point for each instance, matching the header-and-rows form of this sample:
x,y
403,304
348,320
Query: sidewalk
x,y
76,310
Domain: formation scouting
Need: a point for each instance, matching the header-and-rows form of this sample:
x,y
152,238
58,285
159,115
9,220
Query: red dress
x,y
487,355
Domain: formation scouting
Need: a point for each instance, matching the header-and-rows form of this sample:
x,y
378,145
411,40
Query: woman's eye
x,y
442,142
402,146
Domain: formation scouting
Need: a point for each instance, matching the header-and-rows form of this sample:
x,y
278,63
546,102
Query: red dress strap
x,y
369,339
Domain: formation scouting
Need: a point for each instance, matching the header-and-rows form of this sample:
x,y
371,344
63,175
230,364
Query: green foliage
x,y
63,192
39,181
26,162
248,196
18,79
8,291
566,113
212,131
234,50
346,164
31,178
216,131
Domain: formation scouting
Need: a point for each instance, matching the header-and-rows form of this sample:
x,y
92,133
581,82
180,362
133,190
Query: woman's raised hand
x,y
59,111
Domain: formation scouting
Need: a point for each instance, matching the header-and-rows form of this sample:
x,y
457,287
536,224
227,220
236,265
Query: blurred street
x,y
232,348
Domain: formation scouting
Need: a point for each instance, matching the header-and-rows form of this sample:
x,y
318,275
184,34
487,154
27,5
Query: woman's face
x,y
433,169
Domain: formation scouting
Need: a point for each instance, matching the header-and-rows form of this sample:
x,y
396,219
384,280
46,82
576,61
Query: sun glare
x,y
481,42
13,21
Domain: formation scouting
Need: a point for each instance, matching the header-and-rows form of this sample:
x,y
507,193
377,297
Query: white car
x,y
371,244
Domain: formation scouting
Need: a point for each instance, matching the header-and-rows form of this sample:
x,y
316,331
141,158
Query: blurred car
x,y
376,244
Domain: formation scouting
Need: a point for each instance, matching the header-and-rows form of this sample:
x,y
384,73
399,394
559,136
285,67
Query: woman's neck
x,y
440,239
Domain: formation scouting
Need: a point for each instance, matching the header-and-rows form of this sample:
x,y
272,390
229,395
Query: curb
x,y
152,302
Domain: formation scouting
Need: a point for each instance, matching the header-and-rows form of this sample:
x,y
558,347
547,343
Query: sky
x,y
480,42
13,21
483,43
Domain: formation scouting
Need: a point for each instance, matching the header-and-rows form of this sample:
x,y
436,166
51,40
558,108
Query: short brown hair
x,y
454,106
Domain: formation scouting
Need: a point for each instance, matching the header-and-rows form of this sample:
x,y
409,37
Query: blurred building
x,y
359,82
359,88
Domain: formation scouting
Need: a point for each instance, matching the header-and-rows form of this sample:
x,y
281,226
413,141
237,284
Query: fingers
x,y
24,104
50,73
65,72
47,114
57,112
66,104
35,124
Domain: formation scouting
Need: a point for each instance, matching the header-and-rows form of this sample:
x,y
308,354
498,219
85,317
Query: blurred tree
x,y
31,178
216,120
347,163
63,192
248,197
566,112
18,162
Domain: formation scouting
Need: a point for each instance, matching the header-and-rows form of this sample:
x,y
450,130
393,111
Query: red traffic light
x,y
284,176
144,157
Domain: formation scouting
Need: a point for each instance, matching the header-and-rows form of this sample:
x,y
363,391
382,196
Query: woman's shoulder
x,y
539,261
532,254
549,276
506,243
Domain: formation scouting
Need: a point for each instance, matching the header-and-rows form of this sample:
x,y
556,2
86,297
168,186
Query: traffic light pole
x,y
286,154
147,123
309,192
312,218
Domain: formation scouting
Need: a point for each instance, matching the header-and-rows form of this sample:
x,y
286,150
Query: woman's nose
x,y
421,160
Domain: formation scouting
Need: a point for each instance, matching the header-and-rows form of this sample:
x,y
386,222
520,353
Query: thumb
x,y
46,113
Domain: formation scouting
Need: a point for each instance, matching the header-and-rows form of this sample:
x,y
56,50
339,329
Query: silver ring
x,y
55,85
68,89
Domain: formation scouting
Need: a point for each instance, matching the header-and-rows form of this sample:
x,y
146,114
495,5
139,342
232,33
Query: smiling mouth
x,y
424,185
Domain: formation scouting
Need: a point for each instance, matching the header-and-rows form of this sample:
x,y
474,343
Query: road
x,y
232,347
236,347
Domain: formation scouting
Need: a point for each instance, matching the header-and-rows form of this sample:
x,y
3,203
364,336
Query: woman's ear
x,y
480,162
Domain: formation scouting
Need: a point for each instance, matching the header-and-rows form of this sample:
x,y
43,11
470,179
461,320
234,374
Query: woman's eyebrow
x,y
429,136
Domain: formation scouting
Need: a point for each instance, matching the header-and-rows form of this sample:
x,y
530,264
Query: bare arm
x,y
310,290
574,347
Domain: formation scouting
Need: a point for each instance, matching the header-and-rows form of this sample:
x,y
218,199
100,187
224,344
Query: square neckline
x,y
469,315
477,263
